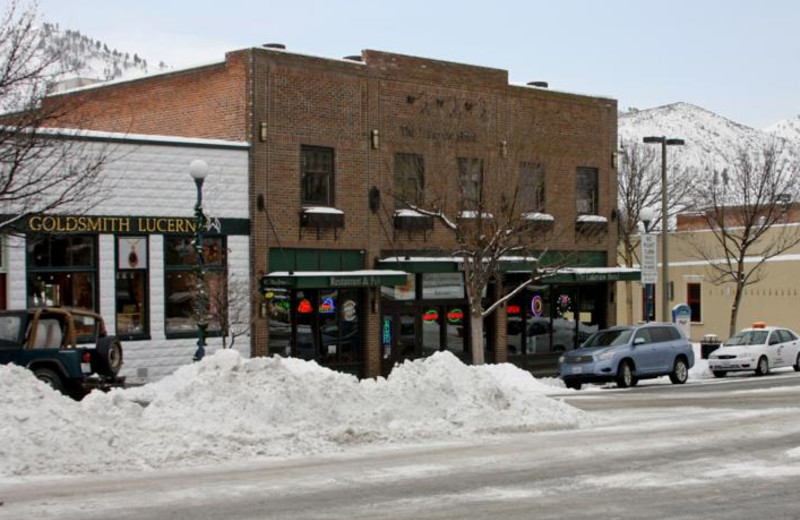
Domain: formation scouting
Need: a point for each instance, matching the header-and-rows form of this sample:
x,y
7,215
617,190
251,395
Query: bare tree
x,y
230,308
490,204
42,169
639,184
748,208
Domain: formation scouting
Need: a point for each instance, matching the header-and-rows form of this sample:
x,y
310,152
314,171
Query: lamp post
x,y
664,221
646,215
198,168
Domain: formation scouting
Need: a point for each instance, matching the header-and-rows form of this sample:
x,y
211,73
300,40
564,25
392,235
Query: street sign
x,y
649,261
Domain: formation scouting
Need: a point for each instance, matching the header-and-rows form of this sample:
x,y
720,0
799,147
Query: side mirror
x,y
639,341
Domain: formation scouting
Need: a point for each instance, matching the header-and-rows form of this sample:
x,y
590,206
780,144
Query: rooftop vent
x,y
354,57
540,84
275,46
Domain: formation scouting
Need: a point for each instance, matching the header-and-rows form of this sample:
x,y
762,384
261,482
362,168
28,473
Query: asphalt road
x,y
711,450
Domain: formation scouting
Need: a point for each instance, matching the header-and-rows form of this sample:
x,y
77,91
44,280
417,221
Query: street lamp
x,y
664,221
646,216
198,168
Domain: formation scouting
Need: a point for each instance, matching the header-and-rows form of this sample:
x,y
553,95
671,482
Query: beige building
x,y
774,299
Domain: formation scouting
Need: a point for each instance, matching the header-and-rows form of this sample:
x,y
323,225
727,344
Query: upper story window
x,y
470,176
586,191
409,178
531,186
316,175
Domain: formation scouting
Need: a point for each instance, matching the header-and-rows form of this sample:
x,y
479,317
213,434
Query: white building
x,y
128,253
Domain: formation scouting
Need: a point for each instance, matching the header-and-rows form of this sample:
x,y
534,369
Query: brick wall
x,y
207,102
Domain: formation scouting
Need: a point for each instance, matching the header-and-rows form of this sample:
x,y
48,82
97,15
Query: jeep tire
x,y
108,359
50,377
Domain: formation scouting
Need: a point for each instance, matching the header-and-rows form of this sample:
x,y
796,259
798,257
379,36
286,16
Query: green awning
x,y
332,279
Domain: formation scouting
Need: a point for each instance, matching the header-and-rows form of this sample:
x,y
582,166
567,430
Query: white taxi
x,y
758,348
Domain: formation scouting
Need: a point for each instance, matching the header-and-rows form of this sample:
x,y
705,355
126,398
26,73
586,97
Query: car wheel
x,y
680,372
574,386
625,376
762,368
797,363
719,373
50,377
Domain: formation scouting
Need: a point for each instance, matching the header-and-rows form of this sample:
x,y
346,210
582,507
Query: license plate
x,y
577,370
86,367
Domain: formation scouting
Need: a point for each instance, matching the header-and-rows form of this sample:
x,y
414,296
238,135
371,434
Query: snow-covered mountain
x,y
87,59
788,129
710,138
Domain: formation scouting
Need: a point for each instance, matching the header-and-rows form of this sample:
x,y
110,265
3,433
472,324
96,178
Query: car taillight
x,y
87,358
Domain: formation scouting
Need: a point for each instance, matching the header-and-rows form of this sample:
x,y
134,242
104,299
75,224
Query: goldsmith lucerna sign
x,y
107,224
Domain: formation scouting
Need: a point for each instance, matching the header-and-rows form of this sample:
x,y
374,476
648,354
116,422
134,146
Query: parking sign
x,y
649,269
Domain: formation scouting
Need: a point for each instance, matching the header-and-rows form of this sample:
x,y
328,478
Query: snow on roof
x,y
155,138
227,408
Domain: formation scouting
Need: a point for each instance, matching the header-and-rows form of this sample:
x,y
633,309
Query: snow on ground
x,y
229,408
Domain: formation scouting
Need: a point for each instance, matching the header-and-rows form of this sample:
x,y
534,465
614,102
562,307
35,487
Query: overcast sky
x,y
738,58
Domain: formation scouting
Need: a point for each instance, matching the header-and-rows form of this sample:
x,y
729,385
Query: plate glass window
x,y
181,283
62,270
132,282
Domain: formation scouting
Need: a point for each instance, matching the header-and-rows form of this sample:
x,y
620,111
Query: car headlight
x,y
605,356
561,359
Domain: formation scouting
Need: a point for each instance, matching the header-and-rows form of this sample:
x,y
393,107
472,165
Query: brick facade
x,y
280,101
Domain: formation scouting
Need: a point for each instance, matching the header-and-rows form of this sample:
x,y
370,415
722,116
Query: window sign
x,y
455,315
430,316
537,304
132,253
387,331
349,310
305,307
327,306
513,310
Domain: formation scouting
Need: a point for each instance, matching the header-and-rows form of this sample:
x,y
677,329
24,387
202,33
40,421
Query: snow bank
x,y
228,408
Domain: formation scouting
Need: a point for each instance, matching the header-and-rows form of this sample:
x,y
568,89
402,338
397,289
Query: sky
x,y
736,58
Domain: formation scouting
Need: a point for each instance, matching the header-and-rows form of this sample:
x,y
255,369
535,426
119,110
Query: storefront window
x,y
131,292
62,271
456,330
280,323
181,283
538,327
438,286
431,330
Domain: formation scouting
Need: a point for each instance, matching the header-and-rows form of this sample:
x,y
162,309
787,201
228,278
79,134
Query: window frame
x,y
418,161
222,268
595,197
536,199
466,168
145,303
92,269
305,170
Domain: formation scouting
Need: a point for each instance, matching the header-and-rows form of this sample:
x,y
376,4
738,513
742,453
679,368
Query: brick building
x,y
350,278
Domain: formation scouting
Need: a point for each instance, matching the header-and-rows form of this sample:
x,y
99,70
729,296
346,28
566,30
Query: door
x,y
400,336
644,352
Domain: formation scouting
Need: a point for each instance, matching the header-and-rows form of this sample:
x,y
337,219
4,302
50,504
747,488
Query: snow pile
x,y
227,408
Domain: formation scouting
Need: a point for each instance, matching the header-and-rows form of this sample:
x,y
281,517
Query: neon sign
x,y
537,305
430,316
455,316
327,306
305,307
514,309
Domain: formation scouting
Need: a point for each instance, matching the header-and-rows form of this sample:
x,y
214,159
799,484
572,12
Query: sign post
x,y
649,271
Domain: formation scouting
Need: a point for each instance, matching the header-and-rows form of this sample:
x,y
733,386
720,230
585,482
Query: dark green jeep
x,y
67,348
